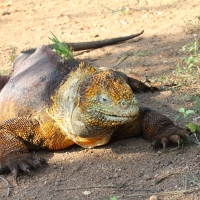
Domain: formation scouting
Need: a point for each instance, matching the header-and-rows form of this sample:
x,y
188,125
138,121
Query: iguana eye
x,y
104,99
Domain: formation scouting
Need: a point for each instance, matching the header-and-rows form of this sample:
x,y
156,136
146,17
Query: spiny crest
x,y
107,82
83,68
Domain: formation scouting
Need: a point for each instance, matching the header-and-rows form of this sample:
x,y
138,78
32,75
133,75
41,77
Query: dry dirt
x,y
125,167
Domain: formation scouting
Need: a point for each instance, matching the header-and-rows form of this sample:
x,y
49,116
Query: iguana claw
x,y
164,142
175,139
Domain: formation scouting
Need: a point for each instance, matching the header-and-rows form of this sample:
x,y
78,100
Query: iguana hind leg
x,y
14,153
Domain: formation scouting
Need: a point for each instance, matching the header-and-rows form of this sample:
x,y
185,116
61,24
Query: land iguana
x,y
50,103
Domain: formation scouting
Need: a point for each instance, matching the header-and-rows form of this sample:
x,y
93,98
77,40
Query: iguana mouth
x,y
114,117
117,119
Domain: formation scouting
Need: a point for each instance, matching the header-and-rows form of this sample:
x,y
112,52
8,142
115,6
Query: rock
x,y
153,197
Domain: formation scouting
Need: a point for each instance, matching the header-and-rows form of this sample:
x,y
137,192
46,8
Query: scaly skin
x,y
52,104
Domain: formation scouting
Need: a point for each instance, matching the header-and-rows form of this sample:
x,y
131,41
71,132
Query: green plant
x,y
178,69
61,49
196,98
163,78
193,127
142,53
191,62
113,198
13,54
193,49
197,106
185,114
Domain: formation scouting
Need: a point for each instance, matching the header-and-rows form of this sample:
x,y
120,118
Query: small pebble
x,y
54,166
153,197
86,192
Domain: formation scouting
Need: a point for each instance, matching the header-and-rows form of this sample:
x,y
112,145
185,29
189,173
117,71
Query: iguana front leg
x,y
159,129
14,153
153,126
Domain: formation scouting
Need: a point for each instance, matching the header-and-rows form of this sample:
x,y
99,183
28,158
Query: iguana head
x,y
90,105
106,100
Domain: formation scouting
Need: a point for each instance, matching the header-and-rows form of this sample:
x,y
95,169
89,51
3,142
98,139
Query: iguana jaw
x,y
92,133
115,118
110,117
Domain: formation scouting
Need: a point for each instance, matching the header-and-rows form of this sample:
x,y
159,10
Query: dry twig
x,y
185,182
8,186
96,186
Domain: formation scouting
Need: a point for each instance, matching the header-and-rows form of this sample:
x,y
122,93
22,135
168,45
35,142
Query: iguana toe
x,y
154,144
175,139
4,170
25,167
39,162
164,142
15,172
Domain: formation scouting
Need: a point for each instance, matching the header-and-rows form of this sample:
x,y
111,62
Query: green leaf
x,y
188,112
113,198
62,49
190,66
192,127
182,110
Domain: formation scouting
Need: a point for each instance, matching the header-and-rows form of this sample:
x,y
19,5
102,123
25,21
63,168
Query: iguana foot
x,y
15,156
21,161
165,141
159,129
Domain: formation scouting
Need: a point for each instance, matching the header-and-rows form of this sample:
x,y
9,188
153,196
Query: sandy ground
x,y
126,167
